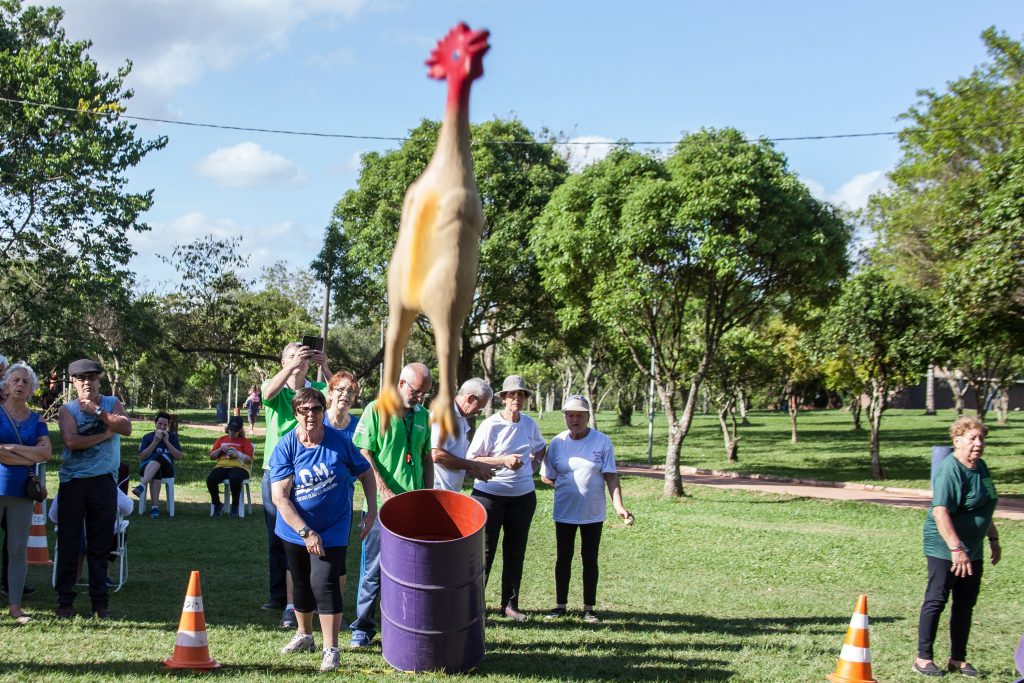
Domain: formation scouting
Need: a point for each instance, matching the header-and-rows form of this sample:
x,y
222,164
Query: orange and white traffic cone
x,y
191,650
38,550
855,659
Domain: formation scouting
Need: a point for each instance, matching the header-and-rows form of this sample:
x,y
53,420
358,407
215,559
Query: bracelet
x,y
959,549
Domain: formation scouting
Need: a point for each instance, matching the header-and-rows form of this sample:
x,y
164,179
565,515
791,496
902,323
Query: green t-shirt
x,y
970,497
280,418
400,451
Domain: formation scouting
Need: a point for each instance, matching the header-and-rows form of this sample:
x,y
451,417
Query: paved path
x,y
1008,508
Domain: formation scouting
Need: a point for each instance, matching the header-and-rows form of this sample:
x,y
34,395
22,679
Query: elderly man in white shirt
x,y
450,463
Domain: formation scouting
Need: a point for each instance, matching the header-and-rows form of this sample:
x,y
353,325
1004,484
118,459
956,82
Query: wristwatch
x,y
304,531
99,412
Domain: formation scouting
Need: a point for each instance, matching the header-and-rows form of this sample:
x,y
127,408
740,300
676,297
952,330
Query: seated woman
x,y
313,470
158,451
233,454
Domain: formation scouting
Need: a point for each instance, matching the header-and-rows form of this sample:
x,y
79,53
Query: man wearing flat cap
x,y
91,427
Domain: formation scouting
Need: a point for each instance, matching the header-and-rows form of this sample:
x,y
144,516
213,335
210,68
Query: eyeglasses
x,y
346,390
421,393
86,376
309,410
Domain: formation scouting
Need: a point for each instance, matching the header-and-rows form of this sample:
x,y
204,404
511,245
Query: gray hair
x,y
290,346
414,371
3,361
22,367
474,386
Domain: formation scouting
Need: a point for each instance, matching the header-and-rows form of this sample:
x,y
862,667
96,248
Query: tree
x,y
712,237
796,368
65,212
747,358
515,176
952,225
883,326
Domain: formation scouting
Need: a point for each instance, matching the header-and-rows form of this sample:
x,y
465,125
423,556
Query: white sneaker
x,y
331,660
301,642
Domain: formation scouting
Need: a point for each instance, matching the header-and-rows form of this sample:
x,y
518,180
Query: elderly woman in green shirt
x,y
959,521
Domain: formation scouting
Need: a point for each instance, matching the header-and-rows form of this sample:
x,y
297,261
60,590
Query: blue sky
x,y
591,70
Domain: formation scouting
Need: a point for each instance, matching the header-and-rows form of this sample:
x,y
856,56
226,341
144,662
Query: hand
x,y
315,544
301,357
369,519
997,552
961,565
623,513
318,358
512,462
480,471
90,407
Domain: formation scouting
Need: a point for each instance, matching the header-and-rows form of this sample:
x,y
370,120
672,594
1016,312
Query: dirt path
x,y
1008,508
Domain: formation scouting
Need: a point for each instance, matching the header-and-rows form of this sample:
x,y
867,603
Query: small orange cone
x,y
190,649
38,550
855,659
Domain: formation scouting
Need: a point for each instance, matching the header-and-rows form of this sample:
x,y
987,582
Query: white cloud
x,y
174,42
355,162
584,150
854,193
340,58
249,165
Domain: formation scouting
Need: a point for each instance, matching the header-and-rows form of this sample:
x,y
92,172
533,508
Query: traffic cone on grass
x,y
855,659
38,550
191,650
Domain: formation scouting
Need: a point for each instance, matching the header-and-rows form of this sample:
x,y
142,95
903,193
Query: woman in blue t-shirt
x,y
312,473
24,442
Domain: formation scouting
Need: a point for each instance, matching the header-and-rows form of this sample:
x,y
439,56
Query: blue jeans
x,y
276,560
368,596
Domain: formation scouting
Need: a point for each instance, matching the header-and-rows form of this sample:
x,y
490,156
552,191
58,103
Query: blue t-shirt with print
x,y
161,450
322,487
13,478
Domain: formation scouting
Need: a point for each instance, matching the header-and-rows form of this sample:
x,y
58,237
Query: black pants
x,y
277,564
315,579
511,514
565,543
92,500
941,582
235,477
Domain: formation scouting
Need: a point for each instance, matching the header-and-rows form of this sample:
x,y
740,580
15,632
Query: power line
x,y
390,138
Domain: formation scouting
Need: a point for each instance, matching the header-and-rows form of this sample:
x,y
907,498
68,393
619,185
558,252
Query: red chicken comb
x,y
459,54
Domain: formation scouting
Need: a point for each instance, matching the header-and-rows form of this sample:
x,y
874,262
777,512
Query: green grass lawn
x,y
719,585
716,586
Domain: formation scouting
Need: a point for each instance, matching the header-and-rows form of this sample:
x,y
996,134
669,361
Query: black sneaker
x,y
556,613
590,617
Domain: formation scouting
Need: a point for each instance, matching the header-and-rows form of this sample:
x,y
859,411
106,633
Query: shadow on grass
x,y
117,670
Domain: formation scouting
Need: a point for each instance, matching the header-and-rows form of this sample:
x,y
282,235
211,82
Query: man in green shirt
x,y
401,461
278,392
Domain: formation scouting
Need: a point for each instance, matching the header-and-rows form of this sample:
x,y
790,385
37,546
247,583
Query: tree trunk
x,y
875,409
794,410
929,395
959,388
624,409
725,415
741,402
855,408
673,479
1003,406
590,388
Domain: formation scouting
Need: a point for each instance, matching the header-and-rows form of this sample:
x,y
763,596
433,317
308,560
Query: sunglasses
x,y
86,376
312,410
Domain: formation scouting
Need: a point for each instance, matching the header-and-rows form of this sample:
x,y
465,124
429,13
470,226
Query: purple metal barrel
x,y
432,581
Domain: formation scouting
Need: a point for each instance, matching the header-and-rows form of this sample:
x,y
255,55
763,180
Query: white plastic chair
x,y
246,503
168,490
121,553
